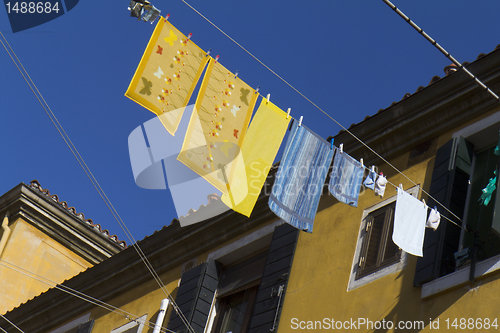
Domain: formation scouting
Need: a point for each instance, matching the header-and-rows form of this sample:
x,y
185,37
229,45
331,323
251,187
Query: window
x,y
376,254
135,326
82,324
378,249
463,167
241,287
233,314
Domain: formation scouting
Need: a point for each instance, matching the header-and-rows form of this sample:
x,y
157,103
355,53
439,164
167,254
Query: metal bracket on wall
x,y
280,294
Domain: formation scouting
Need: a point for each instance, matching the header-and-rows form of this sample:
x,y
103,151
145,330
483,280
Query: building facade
x,y
258,274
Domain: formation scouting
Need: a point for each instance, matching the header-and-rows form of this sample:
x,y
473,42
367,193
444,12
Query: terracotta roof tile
x,y
34,184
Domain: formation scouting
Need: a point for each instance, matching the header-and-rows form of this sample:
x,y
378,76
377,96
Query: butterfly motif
x,y
236,133
235,110
159,73
244,95
160,49
171,39
147,87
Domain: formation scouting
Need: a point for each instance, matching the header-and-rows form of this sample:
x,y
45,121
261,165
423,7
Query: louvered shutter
x,y
86,327
195,296
276,274
449,185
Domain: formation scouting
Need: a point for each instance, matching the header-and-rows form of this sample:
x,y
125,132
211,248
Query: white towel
x,y
409,223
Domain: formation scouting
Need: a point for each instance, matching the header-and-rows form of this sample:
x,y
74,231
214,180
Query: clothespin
x,y
216,58
166,17
257,90
189,36
423,200
373,168
288,113
268,98
400,185
341,147
381,173
208,53
331,144
435,208
236,74
361,161
300,120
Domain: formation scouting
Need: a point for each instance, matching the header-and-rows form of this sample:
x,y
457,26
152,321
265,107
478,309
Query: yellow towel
x,y
167,74
218,124
259,148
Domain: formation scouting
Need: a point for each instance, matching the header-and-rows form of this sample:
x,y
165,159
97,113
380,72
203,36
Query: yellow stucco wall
x,y
146,298
36,252
318,287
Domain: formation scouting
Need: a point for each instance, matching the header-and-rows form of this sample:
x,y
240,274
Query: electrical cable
x,y
20,330
80,295
334,120
93,180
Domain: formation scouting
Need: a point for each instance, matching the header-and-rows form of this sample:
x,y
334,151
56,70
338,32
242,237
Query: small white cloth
x,y
434,219
380,185
409,223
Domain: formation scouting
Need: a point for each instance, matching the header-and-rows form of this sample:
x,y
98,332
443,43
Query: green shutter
x,y
449,183
195,296
268,305
495,226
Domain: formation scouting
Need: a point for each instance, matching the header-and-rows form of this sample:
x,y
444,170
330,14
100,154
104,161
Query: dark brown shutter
x,y
86,327
276,274
195,296
449,185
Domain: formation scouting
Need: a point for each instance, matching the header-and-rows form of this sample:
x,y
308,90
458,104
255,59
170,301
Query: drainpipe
x,y
5,233
159,320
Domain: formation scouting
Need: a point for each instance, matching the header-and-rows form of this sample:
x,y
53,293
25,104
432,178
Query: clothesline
x,y
326,114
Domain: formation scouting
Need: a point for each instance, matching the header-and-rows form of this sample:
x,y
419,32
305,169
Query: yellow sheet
x,y
259,148
218,125
167,74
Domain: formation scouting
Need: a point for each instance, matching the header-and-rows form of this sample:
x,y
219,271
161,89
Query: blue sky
x,y
351,58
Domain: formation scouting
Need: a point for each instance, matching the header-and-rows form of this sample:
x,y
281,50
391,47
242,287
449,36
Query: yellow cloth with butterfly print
x,y
260,146
218,124
167,74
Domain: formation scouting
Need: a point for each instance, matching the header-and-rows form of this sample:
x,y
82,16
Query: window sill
x,y
460,277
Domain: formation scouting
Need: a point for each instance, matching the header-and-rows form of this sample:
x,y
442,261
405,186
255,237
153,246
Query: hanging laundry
x,y
488,191
434,219
345,179
216,130
496,151
258,150
167,74
188,189
380,185
301,175
409,223
371,179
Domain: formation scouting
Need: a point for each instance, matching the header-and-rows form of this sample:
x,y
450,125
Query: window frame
x,y
396,266
139,323
474,134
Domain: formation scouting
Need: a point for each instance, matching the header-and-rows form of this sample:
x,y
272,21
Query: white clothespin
x,y
373,168
300,120
401,187
288,113
423,200
341,147
257,89
236,74
268,98
361,161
